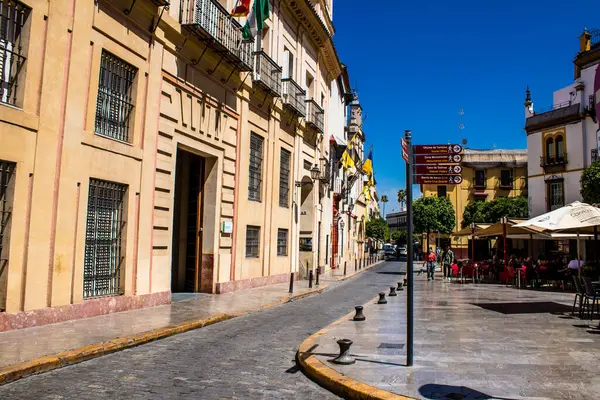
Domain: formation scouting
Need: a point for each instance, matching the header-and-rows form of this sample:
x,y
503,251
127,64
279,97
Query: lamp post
x,y
342,224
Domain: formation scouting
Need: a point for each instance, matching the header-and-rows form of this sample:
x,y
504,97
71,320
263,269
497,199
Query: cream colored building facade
x,y
145,149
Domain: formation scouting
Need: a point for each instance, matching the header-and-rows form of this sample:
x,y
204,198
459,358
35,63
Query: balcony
x,y
506,185
293,96
212,24
266,73
325,169
315,115
553,163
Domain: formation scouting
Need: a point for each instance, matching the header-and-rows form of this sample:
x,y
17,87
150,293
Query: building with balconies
x,y
183,157
571,123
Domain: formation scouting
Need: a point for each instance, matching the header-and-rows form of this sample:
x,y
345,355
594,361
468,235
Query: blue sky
x,y
417,63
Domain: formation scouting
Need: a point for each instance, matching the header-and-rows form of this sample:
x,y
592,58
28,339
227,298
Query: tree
x,y
590,184
402,196
398,237
384,199
492,211
378,229
433,214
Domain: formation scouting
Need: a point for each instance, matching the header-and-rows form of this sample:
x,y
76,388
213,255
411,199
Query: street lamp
x,y
342,224
315,172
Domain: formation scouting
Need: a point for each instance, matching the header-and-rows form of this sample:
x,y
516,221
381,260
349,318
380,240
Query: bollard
x,y
359,316
399,286
292,282
405,281
344,268
344,358
382,299
392,291
310,278
355,265
317,277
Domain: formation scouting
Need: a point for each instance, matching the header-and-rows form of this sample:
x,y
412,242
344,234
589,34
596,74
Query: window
x,y
310,87
288,64
560,148
255,171
550,148
104,237
115,101
13,16
284,178
252,241
7,188
480,178
282,241
506,178
442,191
555,195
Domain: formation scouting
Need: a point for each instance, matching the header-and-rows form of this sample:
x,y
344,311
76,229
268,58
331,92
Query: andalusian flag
x,y
256,19
368,165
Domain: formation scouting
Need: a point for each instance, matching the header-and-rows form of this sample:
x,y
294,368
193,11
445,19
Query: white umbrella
x,y
574,217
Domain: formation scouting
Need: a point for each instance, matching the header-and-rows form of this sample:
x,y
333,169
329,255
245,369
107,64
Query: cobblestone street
x,y
251,357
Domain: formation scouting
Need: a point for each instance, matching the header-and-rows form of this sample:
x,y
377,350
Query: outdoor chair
x,y
579,295
590,294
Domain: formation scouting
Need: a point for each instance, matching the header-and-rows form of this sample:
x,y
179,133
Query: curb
x,y
334,381
343,278
39,365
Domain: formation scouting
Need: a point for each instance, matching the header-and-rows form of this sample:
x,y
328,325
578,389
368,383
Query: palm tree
x,y
384,199
402,196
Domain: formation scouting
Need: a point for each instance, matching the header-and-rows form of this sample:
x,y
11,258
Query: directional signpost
x,y
431,164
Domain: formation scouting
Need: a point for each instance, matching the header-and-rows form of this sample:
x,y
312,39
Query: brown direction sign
x,y
438,159
404,149
438,179
438,169
438,149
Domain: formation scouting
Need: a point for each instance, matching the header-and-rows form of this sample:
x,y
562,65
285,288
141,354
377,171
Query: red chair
x,y
455,271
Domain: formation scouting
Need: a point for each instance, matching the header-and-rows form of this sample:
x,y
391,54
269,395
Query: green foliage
x,y
402,196
395,236
590,184
433,214
377,228
398,236
492,211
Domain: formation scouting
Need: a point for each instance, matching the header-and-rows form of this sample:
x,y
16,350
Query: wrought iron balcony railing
x,y
325,170
293,96
505,185
315,115
553,160
595,155
211,23
267,73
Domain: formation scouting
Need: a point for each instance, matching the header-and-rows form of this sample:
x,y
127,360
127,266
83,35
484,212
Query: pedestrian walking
x,y
447,261
430,265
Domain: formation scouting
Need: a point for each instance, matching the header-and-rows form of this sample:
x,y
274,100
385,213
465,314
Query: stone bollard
x,y
392,291
359,316
310,278
382,299
344,358
400,286
317,277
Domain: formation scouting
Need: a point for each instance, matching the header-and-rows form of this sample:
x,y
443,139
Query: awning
x,y
468,231
497,229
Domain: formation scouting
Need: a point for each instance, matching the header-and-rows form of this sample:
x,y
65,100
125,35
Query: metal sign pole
x,y
410,251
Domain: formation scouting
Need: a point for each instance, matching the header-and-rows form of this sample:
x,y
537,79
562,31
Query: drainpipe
x,y
579,88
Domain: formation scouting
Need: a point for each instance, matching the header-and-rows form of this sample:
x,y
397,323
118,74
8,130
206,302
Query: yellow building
x,y
487,174
146,148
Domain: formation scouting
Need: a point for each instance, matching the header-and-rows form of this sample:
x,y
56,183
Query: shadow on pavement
x,y
391,272
536,307
447,392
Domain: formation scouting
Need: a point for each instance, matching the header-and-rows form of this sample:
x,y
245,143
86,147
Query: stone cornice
x,y
305,13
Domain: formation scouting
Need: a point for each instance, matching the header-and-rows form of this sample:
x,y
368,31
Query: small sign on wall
x,y
227,227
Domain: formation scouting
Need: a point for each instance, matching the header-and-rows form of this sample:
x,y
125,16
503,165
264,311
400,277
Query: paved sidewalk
x,y
23,345
472,341
337,274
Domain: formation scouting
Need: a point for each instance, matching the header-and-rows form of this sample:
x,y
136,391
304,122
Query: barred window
x,y
104,239
282,242
13,16
284,178
255,171
252,241
7,185
115,103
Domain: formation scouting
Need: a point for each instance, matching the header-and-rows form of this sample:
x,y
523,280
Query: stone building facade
x,y
146,149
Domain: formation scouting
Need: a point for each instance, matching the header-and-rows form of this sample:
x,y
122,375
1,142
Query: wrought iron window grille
x,y
13,16
7,173
252,241
104,239
115,102
255,169
282,242
284,178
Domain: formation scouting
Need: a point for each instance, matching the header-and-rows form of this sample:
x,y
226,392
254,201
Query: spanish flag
x,y
368,165
241,9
